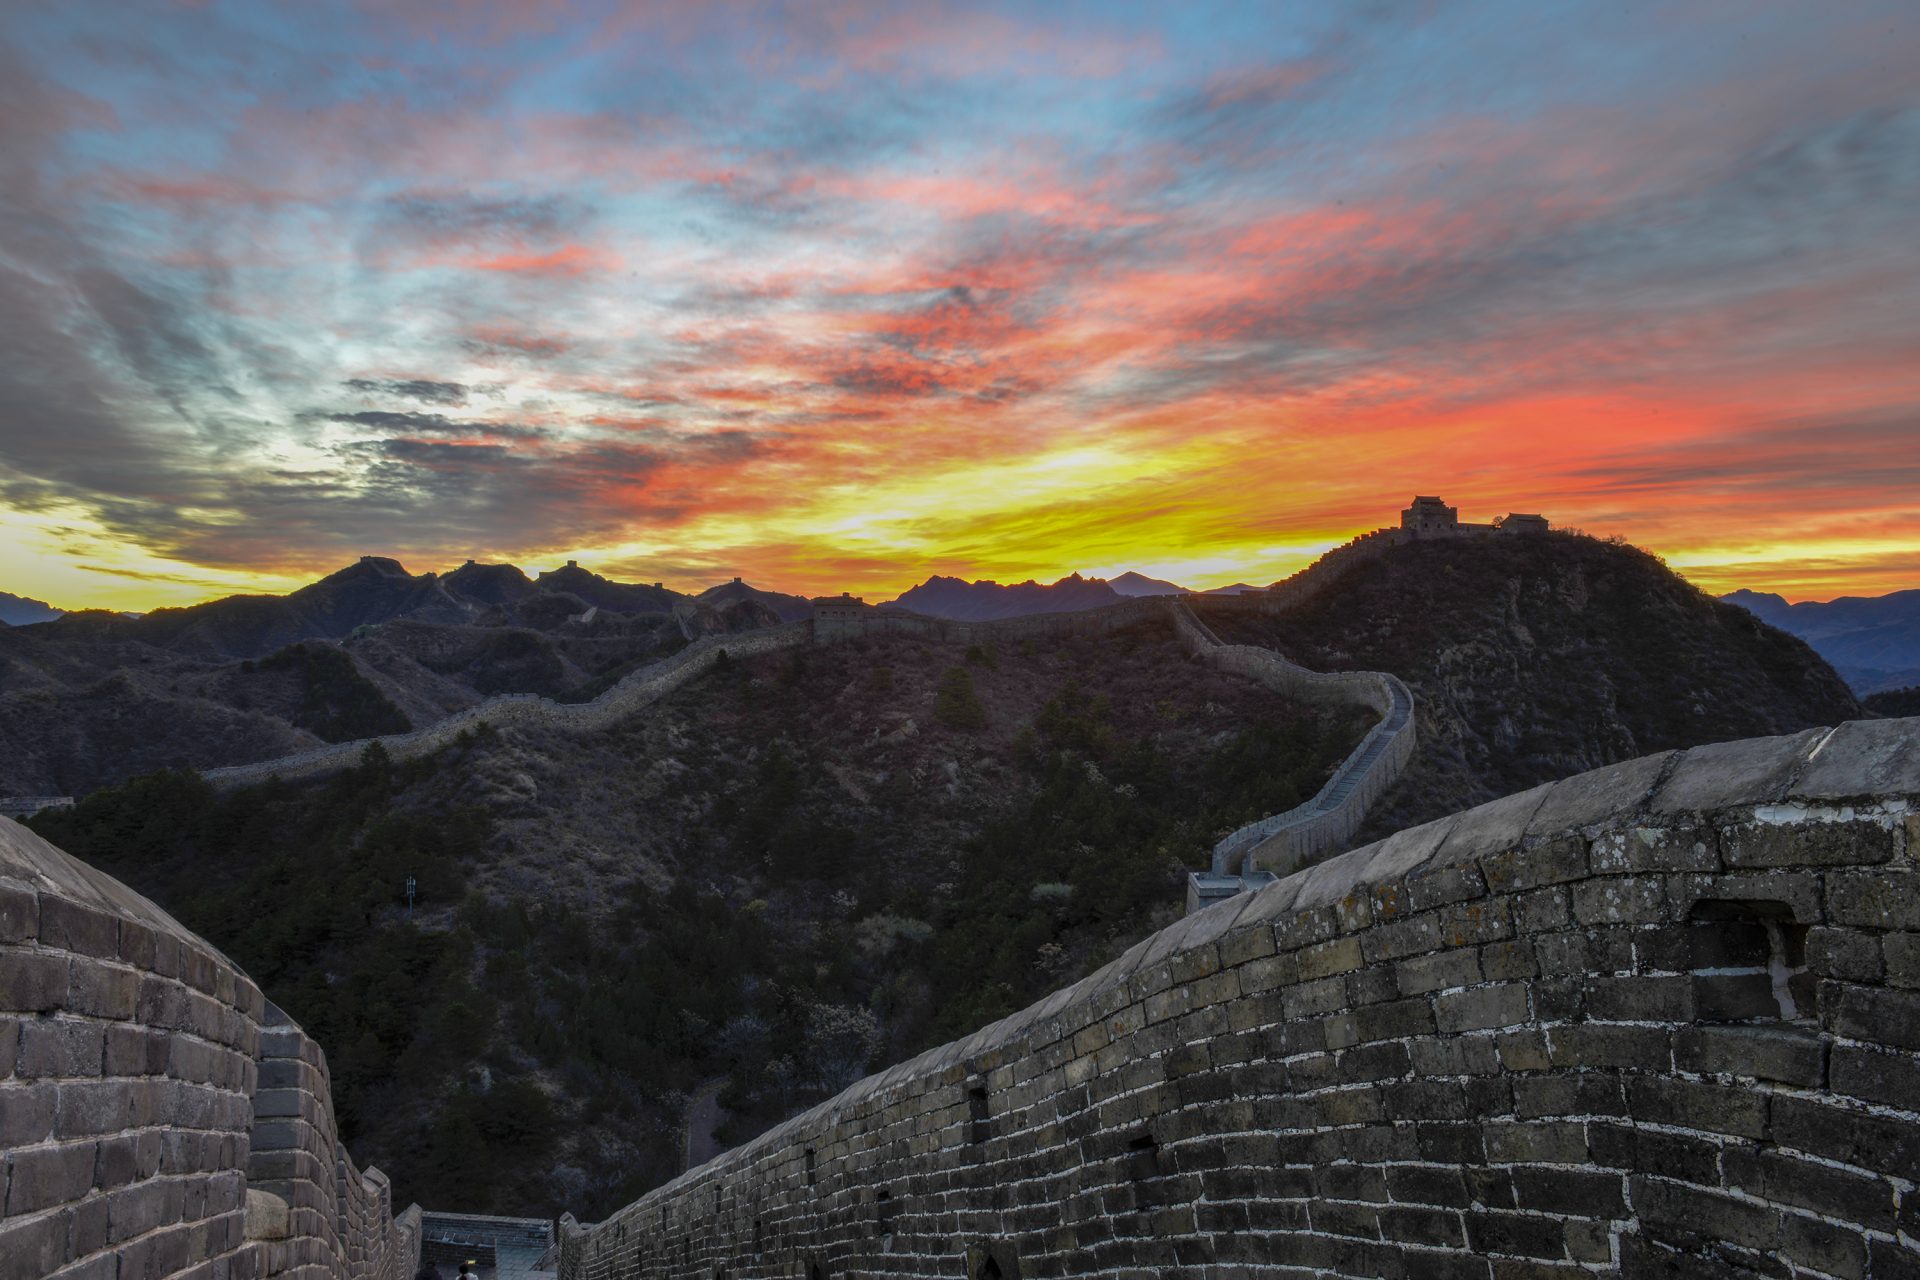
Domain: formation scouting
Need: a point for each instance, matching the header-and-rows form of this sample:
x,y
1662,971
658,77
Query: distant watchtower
x,y
837,617
1430,516
1522,523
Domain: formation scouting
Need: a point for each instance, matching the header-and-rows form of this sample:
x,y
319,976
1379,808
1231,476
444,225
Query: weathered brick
x,y
1437,971
1576,1192
1621,900
1537,1142
1438,886
42,1177
19,913
32,981
32,1248
1876,1075
1509,961
1539,910
1523,1234
1610,1045
60,1047
1784,1054
1868,1013
102,990
1482,1008
1803,844
1874,899
1659,998
1674,1206
73,926
1303,928
1340,955
1552,861
1681,848
1786,1179
86,1108
1699,1105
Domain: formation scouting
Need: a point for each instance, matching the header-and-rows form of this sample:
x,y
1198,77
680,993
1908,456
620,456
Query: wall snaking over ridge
x,y
636,690
158,1117
1281,842
1661,1019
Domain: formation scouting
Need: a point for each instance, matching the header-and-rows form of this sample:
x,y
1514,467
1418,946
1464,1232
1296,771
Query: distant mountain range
x,y
985,600
92,696
1872,641
22,611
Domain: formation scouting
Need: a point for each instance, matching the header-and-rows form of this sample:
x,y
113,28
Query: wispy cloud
x,y
838,293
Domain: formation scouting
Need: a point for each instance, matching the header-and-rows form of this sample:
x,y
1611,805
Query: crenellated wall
x,y
158,1117
1662,1019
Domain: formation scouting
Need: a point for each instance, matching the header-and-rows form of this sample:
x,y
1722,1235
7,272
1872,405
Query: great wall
x,y
158,1116
1661,1019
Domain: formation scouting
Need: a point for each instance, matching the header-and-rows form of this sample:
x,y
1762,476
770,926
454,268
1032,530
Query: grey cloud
x,y
411,388
419,423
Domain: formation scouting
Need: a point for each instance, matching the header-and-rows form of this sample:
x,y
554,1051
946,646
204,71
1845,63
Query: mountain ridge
x,y
1872,641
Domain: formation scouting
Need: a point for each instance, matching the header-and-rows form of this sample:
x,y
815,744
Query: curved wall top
x,y
1656,1019
158,1117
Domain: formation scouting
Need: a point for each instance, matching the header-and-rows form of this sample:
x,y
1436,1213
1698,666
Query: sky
x,y
837,296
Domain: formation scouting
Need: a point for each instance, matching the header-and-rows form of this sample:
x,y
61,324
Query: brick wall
x,y
1659,1019
140,1092
636,690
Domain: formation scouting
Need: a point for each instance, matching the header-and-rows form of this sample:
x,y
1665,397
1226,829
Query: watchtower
x,y
837,617
1430,515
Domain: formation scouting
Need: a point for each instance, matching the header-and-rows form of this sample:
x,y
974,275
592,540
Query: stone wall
x,y
157,1117
636,690
1656,1020
1282,842
1288,841
1108,618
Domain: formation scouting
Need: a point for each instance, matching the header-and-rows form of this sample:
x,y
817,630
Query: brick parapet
x,y
135,1064
1529,1040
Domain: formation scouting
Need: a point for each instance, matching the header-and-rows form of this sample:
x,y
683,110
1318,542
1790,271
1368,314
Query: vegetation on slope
x,y
808,865
1894,703
337,703
1535,658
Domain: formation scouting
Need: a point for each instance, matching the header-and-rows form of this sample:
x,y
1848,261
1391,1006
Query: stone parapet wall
x,y
1282,842
638,689
141,1083
1288,841
1661,1019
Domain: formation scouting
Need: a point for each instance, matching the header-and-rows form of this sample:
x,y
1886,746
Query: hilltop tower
x,y
1430,515
838,617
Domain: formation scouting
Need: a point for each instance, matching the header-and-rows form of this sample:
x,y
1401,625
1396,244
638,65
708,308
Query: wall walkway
x,y
1662,1019
158,1117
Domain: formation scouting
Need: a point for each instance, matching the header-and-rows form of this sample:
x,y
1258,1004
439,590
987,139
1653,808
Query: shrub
x,y
956,705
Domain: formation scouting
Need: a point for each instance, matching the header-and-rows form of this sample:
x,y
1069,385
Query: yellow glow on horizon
x,y
66,557
881,538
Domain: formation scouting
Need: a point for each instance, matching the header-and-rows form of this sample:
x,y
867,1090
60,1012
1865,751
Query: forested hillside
x,y
1536,658
800,868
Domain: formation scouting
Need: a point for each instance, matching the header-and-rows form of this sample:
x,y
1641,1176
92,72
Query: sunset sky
x,y
835,296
